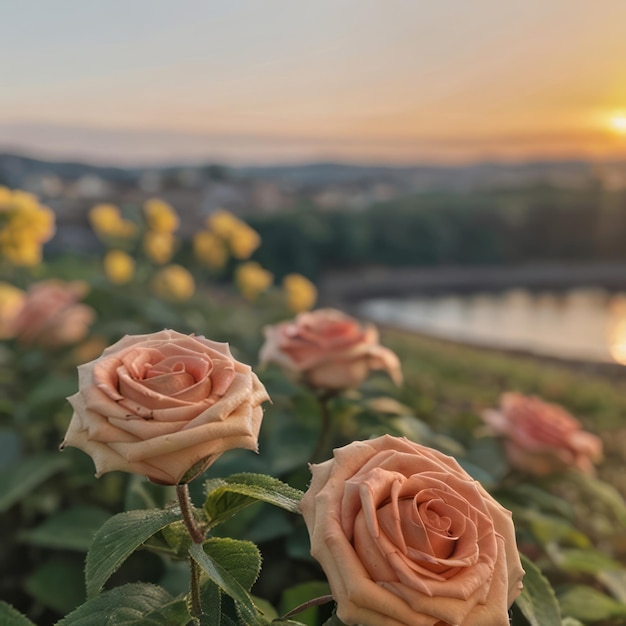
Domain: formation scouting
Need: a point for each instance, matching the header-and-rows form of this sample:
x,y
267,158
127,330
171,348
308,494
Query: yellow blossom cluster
x,y
173,283
25,225
119,267
107,222
252,280
300,292
159,241
225,233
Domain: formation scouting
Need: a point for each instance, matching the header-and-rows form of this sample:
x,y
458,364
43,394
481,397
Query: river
x,y
586,324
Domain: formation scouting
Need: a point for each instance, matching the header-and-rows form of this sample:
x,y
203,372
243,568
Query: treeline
x,y
538,224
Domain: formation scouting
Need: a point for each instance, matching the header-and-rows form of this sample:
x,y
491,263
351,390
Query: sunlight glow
x,y
618,122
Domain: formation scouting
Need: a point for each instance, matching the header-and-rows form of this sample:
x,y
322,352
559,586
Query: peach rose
x,y
165,405
542,438
328,349
52,316
407,538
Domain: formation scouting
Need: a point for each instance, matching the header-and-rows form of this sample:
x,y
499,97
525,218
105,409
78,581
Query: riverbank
x,y
344,288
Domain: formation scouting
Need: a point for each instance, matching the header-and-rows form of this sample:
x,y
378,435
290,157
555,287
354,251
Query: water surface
x,y
586,323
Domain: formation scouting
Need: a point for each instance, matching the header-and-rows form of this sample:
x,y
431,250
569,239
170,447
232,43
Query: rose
x,y
407,538
165,405
328,349
542,438
52,316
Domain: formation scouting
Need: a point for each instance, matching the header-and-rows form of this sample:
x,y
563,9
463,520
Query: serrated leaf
x,y
10,616
20,479
118,538
73,529
590,605
221,576
538,601
227,496
136,604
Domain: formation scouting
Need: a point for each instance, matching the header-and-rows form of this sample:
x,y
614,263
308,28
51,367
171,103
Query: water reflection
x,y
588,324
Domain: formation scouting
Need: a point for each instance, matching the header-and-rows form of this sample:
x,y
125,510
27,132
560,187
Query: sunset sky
x,y
275,81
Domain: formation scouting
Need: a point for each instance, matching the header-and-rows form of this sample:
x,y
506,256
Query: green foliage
x,y
227,496
225,561
119,537
590,605
130,605
538,601
11,617
20,479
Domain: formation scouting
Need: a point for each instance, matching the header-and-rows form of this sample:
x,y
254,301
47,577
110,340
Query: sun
x,y
618,123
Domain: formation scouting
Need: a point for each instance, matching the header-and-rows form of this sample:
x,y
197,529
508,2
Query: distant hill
x,y
15,168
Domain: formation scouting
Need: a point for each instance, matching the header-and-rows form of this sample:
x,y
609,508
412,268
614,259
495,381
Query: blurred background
x,y
454,168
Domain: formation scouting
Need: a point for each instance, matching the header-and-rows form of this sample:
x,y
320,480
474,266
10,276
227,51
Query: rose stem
x,y
323,440
197,536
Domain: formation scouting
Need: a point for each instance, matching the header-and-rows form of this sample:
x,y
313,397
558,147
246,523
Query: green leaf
x,y
58,584
10,447
215,557
10,616
615,582
73,529
137,604
297,596
587,561
570,621
604,493
538,601
590,605
548,529
19,480
118,538
227,496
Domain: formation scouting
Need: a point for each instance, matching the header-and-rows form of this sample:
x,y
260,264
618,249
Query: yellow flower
x,y
223,223
25,253
159,246
300,292
24,226
244,241
252,279
210,249
119,267
11,302
173,283
160,216
107,221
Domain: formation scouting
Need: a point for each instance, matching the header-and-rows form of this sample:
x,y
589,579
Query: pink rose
x,y
165,405
407,538
542,438
52,316
328,349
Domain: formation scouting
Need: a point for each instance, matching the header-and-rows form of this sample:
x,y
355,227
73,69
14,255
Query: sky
x,y
284,81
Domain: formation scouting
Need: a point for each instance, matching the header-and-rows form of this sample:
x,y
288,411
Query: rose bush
x,y
328,349
542,438
52,316
165,405
407,538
